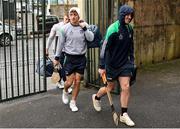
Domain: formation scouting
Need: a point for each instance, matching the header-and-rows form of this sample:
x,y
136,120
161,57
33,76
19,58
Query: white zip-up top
x,y
53,34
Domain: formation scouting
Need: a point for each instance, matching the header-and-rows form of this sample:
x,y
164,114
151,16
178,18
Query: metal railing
x,y
101,13
18,57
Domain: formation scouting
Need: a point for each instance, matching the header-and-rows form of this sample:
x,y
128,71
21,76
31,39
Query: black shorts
x,y
74,64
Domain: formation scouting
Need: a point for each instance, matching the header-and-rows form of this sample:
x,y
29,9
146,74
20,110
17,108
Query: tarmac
x,y
154,104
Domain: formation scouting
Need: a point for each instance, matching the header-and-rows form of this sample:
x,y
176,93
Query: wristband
x,y
84,28
102,66
56,58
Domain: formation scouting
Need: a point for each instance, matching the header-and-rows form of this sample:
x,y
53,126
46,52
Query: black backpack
x,y
97,37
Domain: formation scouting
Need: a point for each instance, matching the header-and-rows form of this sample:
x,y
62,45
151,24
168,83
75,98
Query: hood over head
x,y
123,11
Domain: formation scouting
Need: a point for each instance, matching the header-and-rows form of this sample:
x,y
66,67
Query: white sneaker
x,y
70,90
126,119
73,106
62,82
96,103
60,85
65,97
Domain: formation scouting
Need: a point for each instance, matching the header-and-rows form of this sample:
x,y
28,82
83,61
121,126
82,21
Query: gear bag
x,y
49,67
97,37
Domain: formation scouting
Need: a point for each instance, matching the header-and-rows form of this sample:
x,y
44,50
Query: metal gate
x,y
21,45
101,13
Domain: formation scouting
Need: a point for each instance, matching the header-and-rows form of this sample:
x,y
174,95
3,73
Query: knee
x,y
68,83
125,87
77,82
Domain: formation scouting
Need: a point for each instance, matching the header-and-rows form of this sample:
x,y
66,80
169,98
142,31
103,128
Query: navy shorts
x,y
74,64
62,57
113,74
129,70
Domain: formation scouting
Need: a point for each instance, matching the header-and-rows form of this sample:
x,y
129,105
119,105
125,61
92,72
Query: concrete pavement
x,y
154,104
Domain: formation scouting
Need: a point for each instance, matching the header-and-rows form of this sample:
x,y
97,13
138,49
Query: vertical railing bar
x,y
101,33
17,68
23,65
88,3
10,57
88,52
94,60
103,16
27,47
91,66
118,6
34,78
93,9
112,4
44,42
38,44
112,12
107,13
5,61
91,60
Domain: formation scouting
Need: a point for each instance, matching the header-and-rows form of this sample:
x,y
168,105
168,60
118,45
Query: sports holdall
x,y
97,37
49,67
